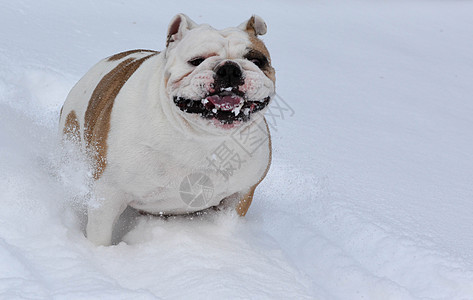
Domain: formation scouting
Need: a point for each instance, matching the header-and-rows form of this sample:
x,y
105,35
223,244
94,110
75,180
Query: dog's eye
x,y
258,62
196,61
257,58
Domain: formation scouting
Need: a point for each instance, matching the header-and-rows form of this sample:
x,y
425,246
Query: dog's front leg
x,y
103,215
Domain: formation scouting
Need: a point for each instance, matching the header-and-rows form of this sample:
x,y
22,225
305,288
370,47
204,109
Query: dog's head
x,y
218,77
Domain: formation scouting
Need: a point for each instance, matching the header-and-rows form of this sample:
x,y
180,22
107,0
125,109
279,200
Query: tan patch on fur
x,y
121,55
250,26
97,116
71,129
245,202
258,45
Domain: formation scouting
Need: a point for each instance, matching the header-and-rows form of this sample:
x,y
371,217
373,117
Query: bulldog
x,y
154,124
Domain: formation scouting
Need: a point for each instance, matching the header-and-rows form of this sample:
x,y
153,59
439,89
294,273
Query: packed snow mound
x,y
369,194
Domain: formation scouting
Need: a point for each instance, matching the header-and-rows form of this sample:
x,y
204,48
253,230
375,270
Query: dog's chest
x,y
194,175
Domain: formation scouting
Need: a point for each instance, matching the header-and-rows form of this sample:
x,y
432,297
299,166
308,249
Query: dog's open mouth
x,y
227,106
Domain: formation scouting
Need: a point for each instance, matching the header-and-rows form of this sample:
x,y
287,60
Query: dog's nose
x,y
229,75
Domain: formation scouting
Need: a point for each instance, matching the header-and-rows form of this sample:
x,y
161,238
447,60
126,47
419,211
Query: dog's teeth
x,y
236,110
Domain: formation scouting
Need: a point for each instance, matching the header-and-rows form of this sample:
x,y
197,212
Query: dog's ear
x,y
179,25
255,25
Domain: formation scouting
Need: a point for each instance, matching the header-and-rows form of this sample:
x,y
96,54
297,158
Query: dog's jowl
x,y
177,131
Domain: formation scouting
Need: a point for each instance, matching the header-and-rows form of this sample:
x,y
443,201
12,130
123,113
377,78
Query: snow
x,y
369,195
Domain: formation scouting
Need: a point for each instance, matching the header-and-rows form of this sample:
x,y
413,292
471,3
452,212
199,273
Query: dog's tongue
x,y
225,103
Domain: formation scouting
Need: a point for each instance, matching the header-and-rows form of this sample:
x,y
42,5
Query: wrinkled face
x,y
219,78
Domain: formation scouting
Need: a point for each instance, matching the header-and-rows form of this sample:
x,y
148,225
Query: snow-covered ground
x,y
370,194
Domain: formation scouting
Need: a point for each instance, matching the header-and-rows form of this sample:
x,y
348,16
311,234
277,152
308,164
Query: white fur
x,y
152,145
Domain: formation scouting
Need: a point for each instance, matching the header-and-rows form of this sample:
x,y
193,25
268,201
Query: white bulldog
x,y
175,132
